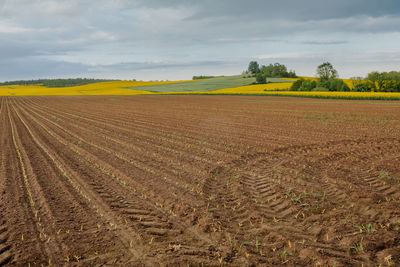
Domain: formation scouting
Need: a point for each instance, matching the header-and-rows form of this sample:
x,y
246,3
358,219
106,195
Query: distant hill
x,y
57,82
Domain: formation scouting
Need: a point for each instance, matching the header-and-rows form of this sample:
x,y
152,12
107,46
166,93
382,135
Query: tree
x,y
254,67
377,80
292,74
261,78
325,71
279,70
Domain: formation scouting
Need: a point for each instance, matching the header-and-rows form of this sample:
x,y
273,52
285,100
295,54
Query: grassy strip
x,y
206,85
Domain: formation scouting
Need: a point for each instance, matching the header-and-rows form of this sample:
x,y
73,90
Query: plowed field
x,y
198,180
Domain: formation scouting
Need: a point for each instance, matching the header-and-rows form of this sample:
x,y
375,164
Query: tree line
x,y
57,82
378,82
201,77
328,81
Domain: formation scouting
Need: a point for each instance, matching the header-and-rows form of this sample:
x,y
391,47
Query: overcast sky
x,y
176,39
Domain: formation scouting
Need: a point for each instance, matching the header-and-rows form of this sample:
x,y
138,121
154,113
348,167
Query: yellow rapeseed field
x,y
102,88
122,88
281,89
340,95
21,90
351,95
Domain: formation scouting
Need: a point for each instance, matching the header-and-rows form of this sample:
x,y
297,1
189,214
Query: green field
x,y
204,85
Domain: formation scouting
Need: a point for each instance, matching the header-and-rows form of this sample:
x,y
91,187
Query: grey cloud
x,y
30,68
324,42
304,10
135,66
105,36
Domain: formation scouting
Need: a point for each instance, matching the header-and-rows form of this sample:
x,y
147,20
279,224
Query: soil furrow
x,y
160,177
157,233
140,139
94,202
147,128
6,255
38,208
73,237
198,180
146,165
207,127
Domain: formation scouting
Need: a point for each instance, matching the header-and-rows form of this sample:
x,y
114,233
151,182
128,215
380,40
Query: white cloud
x,y
12,29
286,55
102,35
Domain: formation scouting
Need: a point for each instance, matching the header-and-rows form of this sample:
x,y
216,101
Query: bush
x,y
261,78
308,85
303,85
296,85
333,84
361,87
338,85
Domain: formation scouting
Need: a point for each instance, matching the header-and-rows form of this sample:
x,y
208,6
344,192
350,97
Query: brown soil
x,y
199,180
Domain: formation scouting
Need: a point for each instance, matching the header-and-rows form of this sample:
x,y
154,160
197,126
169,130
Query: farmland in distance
x,y
181,180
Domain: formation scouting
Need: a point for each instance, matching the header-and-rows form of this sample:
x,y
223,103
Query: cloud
x,y
102,35
297,10
12,29
287,55
84,33
154,65
324,42
38,68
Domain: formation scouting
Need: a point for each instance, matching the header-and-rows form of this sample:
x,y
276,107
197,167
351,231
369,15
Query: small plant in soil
x,y
358,246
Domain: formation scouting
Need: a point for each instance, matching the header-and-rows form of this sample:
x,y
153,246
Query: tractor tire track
x,y
265,190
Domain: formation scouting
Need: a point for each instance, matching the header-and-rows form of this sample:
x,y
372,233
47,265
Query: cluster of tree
x,y
202,77
378,82
320,85
57,82
328,81
276,70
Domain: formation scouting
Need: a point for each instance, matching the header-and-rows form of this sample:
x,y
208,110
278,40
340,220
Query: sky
x,y
176,39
